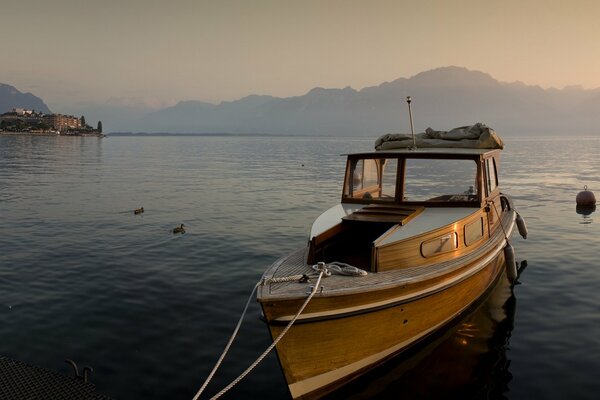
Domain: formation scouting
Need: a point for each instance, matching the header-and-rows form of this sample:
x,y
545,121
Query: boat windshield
x,y
425,180
440,180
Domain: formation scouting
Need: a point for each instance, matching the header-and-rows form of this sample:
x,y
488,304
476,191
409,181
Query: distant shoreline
x,y
512,136
100,135
307,135
204,134
225,134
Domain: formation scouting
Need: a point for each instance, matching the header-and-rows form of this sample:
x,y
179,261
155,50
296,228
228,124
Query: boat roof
x,y
427,151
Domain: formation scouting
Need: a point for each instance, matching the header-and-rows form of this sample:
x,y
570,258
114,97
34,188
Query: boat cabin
x,y
397,198
423,177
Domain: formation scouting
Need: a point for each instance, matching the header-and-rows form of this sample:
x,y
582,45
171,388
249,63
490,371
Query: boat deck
x,y
294,264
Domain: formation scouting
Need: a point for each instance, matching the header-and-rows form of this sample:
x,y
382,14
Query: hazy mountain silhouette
x,y
443,98
11,98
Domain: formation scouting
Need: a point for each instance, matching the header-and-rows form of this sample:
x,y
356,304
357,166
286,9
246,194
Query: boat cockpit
x,y
385,190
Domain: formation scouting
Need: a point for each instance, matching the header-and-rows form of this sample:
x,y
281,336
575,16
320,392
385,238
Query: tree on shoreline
x,y
99,127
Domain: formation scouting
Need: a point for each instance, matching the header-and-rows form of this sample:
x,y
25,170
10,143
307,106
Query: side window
x,y
490,174
371,179
439,245
473,231
389,169
365,175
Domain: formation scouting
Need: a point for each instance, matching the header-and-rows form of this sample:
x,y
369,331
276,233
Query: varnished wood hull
x,y
428,261
328,348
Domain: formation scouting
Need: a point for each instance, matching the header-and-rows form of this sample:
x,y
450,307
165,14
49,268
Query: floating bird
x,y
138,211
179,229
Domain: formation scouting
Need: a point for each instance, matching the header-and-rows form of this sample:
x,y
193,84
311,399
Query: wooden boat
x,y
430,227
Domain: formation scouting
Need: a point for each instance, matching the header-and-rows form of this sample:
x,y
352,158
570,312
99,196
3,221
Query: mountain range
x,y
443,98
11,98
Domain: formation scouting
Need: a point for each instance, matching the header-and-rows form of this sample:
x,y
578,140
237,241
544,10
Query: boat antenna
x,y
412,128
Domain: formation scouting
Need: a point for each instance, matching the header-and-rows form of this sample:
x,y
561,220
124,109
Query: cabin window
x,y
371,179
473,231
440,180
491,177
439,245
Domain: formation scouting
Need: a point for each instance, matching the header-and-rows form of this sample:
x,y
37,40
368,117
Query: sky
x,y
156,53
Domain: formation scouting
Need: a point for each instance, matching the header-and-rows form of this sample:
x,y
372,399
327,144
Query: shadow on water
x,y
469,360
585,212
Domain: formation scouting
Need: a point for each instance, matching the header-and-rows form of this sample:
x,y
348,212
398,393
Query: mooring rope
x,y
268,350
231,339
282,279
323,271
500,220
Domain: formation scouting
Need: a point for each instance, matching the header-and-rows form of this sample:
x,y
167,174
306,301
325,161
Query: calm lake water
x,y
81,277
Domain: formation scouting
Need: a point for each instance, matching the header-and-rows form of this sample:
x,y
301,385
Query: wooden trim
x,y
445,204
448,156
347,376
468,225
400,180
393,214
480,182
407,253
351,310
348,290
382,332
329,233
384,236
316,243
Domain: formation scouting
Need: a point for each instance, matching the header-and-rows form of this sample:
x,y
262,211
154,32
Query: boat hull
x,y
320,354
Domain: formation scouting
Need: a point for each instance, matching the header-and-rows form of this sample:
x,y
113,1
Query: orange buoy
x,y
586,198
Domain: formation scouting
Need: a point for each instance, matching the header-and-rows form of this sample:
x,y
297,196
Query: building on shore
x,y
62,122
23,115
21,120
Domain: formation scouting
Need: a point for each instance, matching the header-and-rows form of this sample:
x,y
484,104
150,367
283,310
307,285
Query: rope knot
x,y
322,267
338,268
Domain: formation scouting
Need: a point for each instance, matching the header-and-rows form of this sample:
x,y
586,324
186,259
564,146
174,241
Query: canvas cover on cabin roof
x,y
477,136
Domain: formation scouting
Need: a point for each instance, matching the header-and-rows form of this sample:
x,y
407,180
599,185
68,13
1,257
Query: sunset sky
x,y
159,52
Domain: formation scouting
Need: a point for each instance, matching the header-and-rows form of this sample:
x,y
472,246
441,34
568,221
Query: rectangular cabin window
x,y
473,231
371,179
439,245
440,180
490,174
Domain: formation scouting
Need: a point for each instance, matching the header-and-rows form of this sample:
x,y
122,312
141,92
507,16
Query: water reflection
x,y
585,212
469,360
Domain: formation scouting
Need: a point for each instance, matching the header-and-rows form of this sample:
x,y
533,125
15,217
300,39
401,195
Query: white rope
x,y
323,270
235,331
340,268
500,220
268,350
282,279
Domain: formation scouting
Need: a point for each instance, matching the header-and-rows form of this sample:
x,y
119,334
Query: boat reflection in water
x,y
468,360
